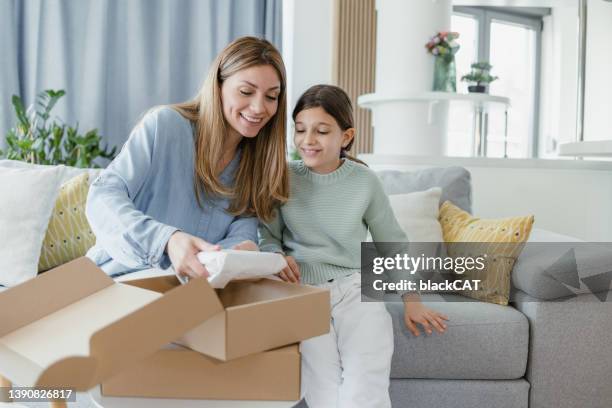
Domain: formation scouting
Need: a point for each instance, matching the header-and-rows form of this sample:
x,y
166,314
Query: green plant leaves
x,y
20,111
479,73
38,140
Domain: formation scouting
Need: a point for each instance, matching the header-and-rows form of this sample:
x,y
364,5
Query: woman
x,y
195,176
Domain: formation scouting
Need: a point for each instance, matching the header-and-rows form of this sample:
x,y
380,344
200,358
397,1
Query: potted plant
x,y
479,77
444,47
38,139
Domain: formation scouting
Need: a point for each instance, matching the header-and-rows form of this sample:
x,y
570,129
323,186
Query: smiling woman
x,y
195,176
250,99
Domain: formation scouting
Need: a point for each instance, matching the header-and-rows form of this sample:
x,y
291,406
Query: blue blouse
x,y
147,193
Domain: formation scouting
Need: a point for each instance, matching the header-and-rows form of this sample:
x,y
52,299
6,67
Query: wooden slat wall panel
x,y
355,61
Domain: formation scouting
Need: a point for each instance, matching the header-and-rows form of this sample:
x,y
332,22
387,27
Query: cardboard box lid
x,y
74,326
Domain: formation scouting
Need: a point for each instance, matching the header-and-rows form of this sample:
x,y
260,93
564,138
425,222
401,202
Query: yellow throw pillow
x,y
68,234
501,241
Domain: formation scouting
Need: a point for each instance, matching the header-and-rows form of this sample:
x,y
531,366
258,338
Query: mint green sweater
x,y
326,219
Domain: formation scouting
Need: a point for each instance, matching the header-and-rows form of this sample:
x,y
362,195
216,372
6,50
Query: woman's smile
x,y
251,120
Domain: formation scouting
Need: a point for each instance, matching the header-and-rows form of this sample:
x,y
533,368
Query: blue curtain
x,y
118,58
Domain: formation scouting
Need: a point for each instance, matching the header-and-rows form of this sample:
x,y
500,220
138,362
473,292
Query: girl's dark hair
x,y
336,103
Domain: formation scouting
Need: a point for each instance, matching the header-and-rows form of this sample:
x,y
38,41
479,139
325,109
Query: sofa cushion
x,y
68,235
69,172
499,241
418,393
27,202
417,214
483,341
455,183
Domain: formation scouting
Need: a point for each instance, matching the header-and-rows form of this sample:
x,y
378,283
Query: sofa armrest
x,y
570,352
553,266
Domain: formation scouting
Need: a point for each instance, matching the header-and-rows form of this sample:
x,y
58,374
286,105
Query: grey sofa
x,y
544,350
534,353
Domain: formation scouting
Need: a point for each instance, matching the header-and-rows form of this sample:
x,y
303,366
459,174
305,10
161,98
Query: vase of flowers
x,y
479,77
443,46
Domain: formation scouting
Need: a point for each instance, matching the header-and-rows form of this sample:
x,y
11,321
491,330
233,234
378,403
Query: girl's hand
x,y
291,273
416,312
246,246
182,249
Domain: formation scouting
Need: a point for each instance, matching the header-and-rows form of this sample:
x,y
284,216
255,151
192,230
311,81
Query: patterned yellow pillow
x,y
68,235
501,241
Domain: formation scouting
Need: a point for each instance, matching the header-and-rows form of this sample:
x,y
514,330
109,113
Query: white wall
x,y
514,3
598,87
307,44
404,68
570,197
559,80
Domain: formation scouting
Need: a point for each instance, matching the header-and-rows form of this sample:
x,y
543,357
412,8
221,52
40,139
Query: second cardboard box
x,y
257,316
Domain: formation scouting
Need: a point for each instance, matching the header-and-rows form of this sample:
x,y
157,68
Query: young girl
x,y
333,201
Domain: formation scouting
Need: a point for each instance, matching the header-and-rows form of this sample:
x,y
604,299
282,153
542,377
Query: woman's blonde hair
x,y
261,181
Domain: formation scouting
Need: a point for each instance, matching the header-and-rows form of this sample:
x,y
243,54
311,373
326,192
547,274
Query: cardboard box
x,y
74,326
182,373
257,316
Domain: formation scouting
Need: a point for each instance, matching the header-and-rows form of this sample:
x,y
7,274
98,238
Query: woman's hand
x,y
246,246
416,312
291,273
182,249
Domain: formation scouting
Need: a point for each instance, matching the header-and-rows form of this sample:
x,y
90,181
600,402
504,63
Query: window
x,y
511,43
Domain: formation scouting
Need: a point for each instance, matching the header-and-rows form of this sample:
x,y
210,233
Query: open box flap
x,y
113,346
49,292
135,336
146,330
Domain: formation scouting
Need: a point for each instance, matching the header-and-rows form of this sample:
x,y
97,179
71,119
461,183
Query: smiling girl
x,y
196,175
334,200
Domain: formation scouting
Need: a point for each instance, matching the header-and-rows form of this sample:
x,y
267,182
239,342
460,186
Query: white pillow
x,y
27,200
69,172
417,214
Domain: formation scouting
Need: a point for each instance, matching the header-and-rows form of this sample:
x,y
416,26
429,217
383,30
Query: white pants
x,y
349,367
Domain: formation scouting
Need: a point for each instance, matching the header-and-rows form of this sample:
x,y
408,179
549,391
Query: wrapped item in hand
x,y
227,265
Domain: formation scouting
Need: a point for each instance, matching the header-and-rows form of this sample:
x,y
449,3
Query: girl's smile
x,y
320,140
310,152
